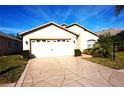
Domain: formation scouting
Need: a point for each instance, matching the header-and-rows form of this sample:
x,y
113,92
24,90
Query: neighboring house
x,y
54,40
9,44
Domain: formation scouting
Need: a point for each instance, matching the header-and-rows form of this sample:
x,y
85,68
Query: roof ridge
x,y
44,25
82,28
37,27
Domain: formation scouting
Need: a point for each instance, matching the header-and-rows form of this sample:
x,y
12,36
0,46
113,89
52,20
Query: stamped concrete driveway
x,y
68,72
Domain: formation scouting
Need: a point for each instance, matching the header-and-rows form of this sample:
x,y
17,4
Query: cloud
x,y
37,12
10,30
92,17
90,12
67,14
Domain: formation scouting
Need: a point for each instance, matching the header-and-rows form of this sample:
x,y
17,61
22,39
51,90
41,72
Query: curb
x,y
21,79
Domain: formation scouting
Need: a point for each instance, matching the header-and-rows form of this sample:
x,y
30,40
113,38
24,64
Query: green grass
x,y
117,64
11,68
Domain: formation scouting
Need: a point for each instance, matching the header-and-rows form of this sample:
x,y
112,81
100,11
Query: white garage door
x,y
42,48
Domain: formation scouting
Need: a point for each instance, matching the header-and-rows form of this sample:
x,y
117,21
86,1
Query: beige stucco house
x,y
55,40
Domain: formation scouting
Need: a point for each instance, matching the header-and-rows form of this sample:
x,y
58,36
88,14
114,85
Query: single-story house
x,y
9,44
57,40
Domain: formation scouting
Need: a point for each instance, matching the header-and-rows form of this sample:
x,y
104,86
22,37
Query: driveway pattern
x,y
69,72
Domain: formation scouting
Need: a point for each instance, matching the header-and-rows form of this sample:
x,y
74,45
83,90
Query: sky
x,y
19,18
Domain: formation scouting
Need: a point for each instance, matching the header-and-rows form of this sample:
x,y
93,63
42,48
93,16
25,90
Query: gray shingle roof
x,y
8,36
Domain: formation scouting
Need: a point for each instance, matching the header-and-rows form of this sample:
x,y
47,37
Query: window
x,y
33,41
43,40
90,43
54,41
91,40
74,41
67,40
9,44
63,40
38,40
48,40
58,40
0,42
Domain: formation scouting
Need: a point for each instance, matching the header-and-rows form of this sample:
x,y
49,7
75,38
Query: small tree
x,y
119,38
102,48
105,41
106,45
118,9
18,36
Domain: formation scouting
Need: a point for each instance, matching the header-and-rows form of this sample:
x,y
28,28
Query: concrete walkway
x,y
68,72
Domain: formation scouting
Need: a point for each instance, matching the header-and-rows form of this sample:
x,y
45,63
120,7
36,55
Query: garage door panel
x,y
52,48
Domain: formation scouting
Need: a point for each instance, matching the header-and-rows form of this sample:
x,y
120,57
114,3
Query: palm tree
x,y
118,9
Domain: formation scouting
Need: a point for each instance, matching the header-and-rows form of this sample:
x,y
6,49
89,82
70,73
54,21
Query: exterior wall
x,y
78,43
50,32
83,38
9,46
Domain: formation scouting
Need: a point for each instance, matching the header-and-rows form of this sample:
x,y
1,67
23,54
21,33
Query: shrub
x,y
77,52
100,52
26,54
103,47
88,51
97,52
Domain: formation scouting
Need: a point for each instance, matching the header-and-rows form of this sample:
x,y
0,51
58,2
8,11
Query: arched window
x,y
90,43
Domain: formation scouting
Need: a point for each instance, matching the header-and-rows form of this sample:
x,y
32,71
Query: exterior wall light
x,y
27,42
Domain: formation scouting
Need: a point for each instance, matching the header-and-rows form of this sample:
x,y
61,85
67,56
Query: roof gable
x,y
44,26
75,24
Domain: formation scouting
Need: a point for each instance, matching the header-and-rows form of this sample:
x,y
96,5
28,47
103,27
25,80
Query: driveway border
x,y
22,77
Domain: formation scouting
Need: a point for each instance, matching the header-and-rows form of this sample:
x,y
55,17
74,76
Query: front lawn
x,y
117,64
11,68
